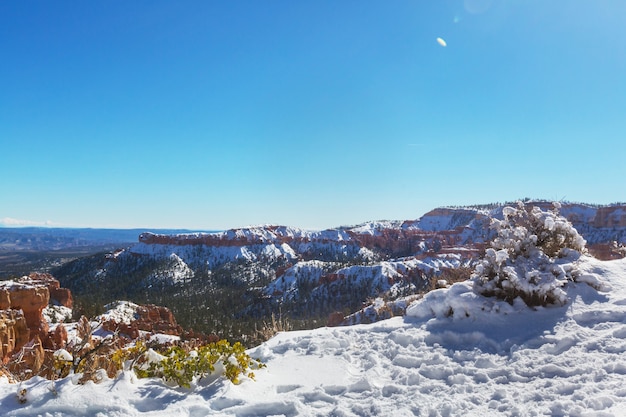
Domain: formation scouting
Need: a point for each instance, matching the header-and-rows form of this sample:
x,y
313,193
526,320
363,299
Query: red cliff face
x,y
397,241
614,216
5,299
201,239
157,319
607,251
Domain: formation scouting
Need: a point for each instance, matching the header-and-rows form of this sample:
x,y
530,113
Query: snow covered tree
x,y
532,256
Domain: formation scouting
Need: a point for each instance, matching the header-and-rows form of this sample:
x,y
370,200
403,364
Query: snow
x,y
63,355
375,228
119,312
57,314
182,256
456,353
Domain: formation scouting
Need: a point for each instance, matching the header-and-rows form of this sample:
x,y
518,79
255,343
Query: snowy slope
x,y
487,358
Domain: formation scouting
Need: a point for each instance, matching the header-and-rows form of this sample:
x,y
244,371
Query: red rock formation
x,y
607,251
157,319
130,330
59,337
612,216
58,295
14,333
31,359
148,318
21,313
5,299
31,300
406,239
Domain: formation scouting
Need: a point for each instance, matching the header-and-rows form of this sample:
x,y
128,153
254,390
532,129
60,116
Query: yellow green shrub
x,y
180,364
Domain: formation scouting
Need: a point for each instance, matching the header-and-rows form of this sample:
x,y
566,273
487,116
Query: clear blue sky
x,y
219,114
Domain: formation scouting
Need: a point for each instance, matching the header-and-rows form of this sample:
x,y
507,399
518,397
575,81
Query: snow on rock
x,y
444,218
120,312
212,256
484,357
375,228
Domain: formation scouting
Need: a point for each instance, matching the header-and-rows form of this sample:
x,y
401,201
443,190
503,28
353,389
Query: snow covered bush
x,y
531,257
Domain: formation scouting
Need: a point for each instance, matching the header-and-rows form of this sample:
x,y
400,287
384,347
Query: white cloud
x,y
11,222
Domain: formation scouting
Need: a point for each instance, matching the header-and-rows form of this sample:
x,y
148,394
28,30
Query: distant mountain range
x,y
221,280
48,238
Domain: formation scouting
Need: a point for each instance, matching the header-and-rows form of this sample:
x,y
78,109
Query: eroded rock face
x,y
58,295
21,313
157,319
148,318
31,300
5,299
335,319
30,361
14,333
608,251
613,216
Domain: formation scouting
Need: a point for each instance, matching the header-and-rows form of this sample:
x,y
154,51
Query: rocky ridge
x,y
443,227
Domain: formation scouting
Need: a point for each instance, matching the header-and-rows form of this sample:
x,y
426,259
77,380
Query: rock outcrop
x,y
58,295
31,299
147,318
612,216
21,312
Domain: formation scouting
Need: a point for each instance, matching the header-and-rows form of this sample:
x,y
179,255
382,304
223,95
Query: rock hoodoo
x,y
21,312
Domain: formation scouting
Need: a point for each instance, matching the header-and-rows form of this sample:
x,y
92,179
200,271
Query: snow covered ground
x,y
457,354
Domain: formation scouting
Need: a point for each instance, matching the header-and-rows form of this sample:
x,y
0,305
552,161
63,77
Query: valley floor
x,y
493,359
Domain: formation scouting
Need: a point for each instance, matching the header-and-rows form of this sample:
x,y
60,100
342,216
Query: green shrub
x,y
181,364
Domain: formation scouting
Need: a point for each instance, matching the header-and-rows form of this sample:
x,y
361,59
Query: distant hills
x,y
48,238
37,249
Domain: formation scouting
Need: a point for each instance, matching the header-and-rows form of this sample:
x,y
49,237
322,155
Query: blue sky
x,y
219,114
